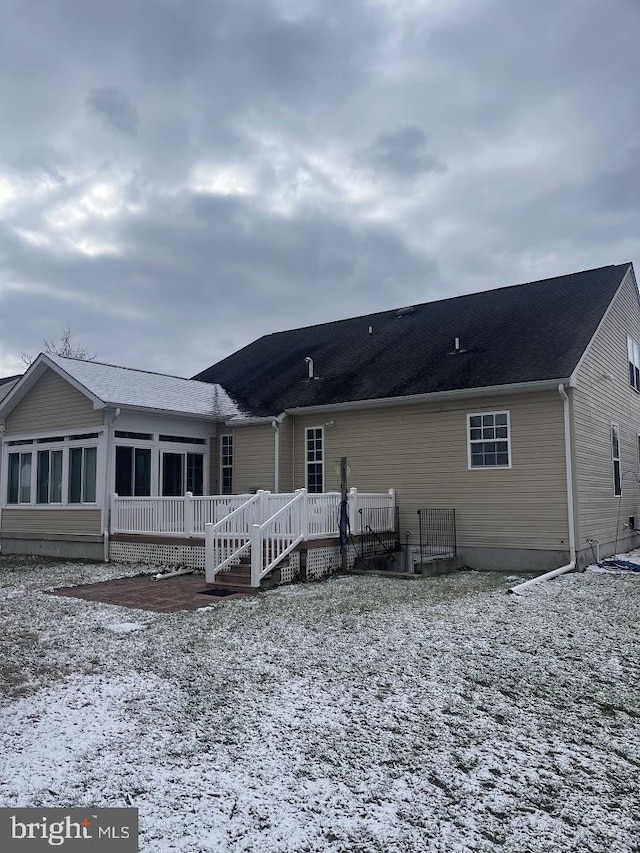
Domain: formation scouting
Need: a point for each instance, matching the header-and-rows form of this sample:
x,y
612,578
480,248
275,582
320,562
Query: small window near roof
x,y
633,356
615,453
489,440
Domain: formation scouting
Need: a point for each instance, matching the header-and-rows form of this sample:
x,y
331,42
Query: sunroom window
x,y
82,475
133,471
56,475
182,472
49,477
19,481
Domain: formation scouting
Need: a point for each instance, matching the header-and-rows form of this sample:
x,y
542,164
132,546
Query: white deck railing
x,y
182,516
266,525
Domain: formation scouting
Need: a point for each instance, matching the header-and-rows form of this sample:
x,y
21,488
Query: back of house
x,y
518,408
498,405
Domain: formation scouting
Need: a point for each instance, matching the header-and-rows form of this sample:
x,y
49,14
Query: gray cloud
x,y
402,153
114,107
275,163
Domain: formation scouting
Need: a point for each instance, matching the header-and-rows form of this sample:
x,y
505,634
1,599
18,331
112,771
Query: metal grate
x,y
437,533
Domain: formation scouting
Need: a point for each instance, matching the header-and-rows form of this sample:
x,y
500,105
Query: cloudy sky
x,y
179,177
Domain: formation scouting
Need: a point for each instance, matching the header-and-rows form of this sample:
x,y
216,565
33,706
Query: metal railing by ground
x,y
437,533
378,532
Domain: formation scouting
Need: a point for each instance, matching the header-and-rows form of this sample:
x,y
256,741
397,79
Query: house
x,y
518,407
76,431
6,384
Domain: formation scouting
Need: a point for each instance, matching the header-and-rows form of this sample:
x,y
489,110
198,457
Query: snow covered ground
x,y
359,714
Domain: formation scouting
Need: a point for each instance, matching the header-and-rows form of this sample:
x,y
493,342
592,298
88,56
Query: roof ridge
x,y
439,301
124,367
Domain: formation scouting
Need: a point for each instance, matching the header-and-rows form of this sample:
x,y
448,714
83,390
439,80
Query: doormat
x,y
219,593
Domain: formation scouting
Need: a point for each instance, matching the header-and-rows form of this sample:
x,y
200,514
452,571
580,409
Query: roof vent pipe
x,y
457,345
309,361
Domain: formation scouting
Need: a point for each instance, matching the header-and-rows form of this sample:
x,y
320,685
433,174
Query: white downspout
x,y
276,468
570,567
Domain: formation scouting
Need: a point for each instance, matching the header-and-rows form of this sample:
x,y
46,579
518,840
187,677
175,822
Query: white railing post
x,y
392,508
209,561
353,509
304,514
188,513
260,507
256,555
114,525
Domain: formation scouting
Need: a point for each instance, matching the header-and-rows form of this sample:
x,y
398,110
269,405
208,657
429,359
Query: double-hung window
x,y
182,472
615,456
315,459
49,488
633,357
82,475
133,471
489,440
226,464
19,483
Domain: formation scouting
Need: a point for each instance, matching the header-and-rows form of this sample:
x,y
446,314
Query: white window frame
x,y
199,446
34,446
308,461
633,363
226,466
471,442
140,444
81,445
184,451
22,450
49,451
616,426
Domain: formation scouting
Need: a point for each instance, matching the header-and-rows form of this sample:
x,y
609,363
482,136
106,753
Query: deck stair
x,y
238,576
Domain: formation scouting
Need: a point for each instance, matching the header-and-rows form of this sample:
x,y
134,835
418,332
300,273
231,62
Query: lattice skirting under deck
x,y
155,554
321,562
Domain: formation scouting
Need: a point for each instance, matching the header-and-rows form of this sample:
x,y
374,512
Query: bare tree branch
x,y
63,346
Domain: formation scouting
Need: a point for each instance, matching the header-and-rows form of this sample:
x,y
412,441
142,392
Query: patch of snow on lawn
x,y
365,714
125,627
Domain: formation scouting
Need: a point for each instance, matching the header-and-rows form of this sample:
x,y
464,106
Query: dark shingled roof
x,y
522,333
5,379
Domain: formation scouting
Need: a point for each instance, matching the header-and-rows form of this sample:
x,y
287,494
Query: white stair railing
x,y
275,538
228,539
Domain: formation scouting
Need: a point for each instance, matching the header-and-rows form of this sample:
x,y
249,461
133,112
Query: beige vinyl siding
x,y
38,521
253,458
604,395
214,465
286,455
421,451
53,404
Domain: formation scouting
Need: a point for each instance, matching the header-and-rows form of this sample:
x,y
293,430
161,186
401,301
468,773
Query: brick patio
x,y
185,592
